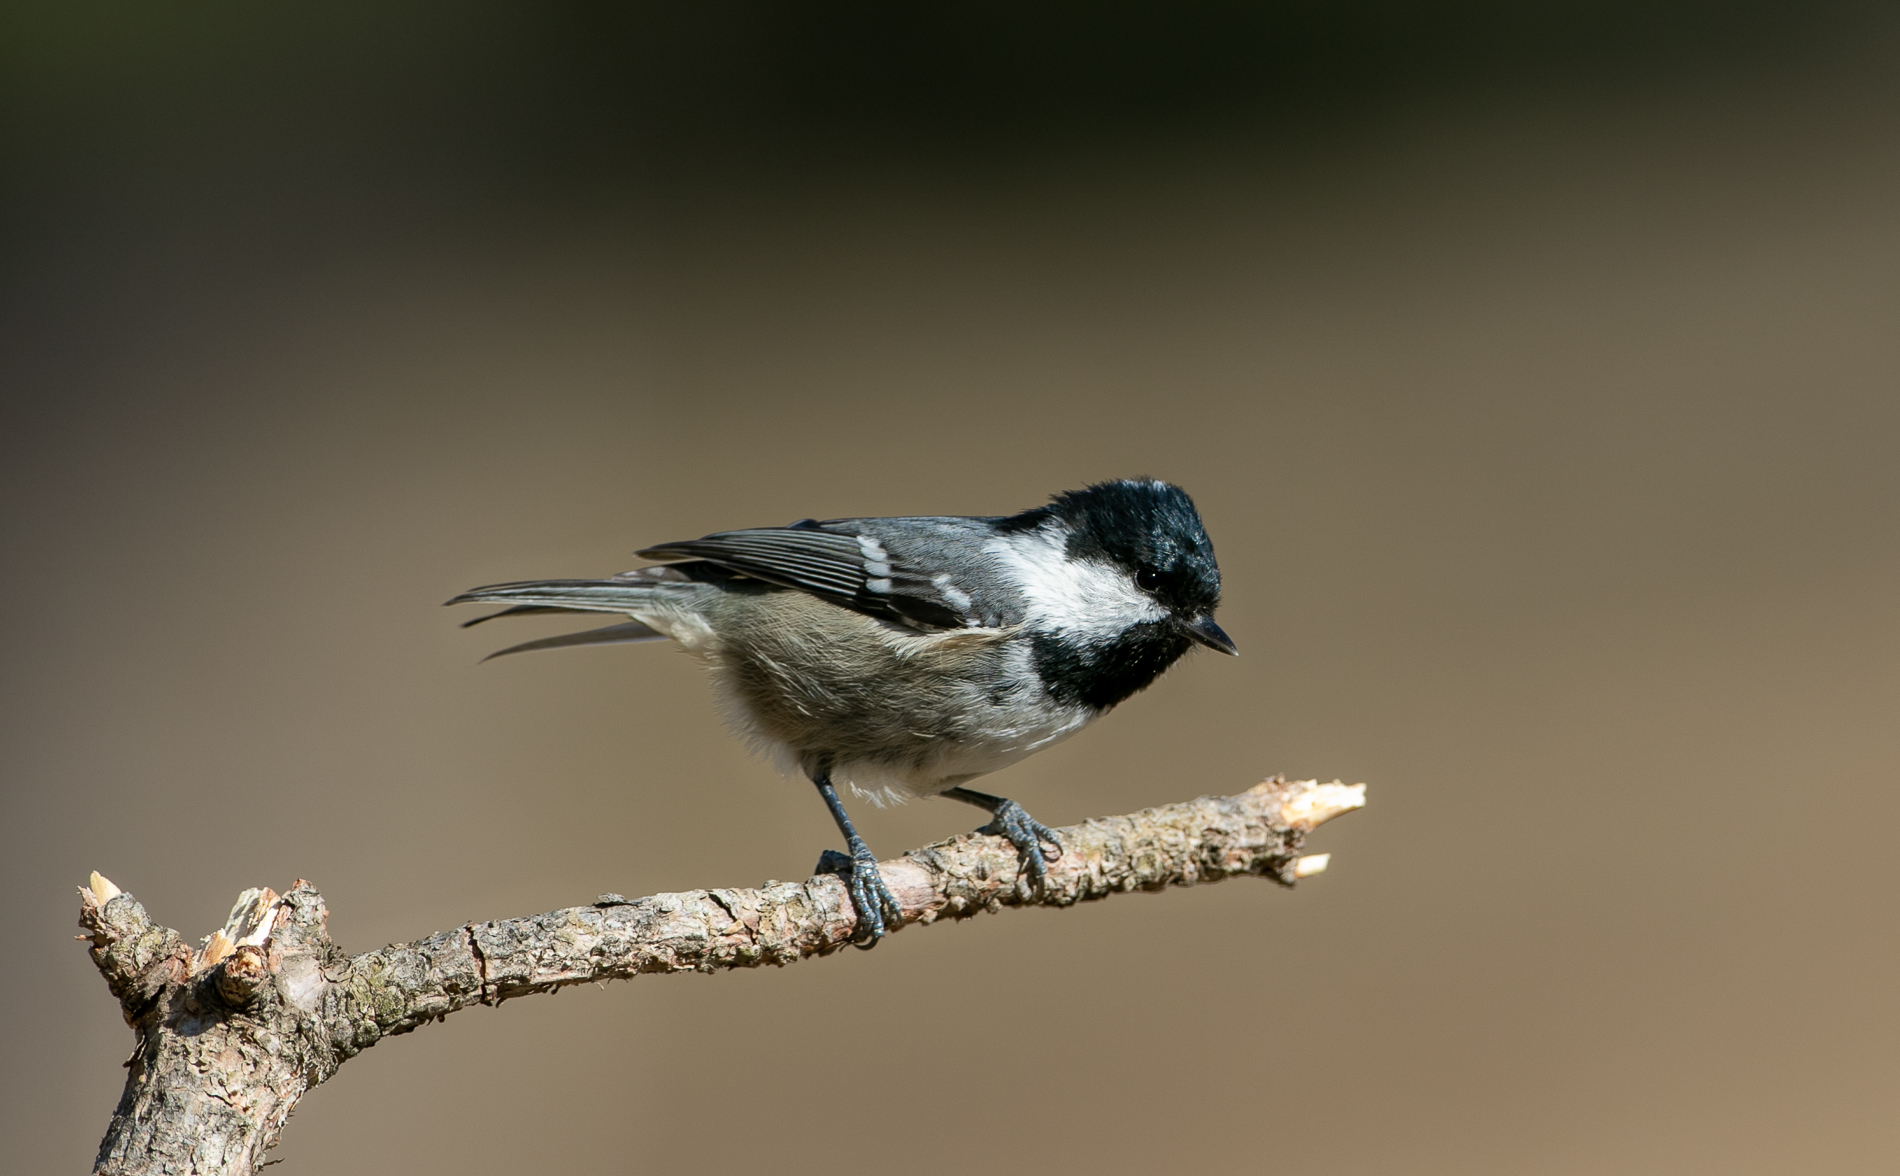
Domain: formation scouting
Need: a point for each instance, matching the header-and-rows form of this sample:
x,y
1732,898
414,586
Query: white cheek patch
x,y
1077,597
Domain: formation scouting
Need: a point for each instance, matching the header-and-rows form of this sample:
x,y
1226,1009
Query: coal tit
x,y
905,657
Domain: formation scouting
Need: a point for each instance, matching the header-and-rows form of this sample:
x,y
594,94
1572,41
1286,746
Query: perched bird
x,y
907,656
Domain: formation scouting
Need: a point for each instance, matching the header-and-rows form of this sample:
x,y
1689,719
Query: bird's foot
x,y
1027,834
878,909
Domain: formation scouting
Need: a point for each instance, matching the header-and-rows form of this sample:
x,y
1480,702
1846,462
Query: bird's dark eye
x,y
1147,579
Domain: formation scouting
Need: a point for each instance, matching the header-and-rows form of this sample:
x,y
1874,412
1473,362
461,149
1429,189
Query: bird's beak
x,y
1205,631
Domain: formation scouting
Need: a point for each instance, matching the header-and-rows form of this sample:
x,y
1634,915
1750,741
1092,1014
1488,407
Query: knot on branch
x,y
243,975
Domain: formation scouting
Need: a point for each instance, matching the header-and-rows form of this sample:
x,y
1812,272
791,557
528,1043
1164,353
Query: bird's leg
x,y
874,901
1023,831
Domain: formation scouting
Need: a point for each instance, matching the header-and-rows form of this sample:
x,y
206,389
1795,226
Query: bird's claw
x,y
878,909
1027,834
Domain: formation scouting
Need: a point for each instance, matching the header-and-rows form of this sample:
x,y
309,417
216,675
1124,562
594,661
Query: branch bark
x,y
233,1033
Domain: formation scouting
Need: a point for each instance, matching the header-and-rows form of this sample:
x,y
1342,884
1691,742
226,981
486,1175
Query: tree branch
x,y
232,1034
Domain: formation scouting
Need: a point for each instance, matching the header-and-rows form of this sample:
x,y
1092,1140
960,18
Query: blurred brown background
x,y
1536,374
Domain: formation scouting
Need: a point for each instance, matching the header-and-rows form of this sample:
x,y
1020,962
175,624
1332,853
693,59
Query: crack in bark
x,y
212,1083
481,965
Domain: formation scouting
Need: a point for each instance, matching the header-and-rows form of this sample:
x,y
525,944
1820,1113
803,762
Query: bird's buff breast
x,y
896,714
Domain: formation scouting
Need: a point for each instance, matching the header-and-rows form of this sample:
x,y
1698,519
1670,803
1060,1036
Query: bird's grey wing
x,y
954,552
849,567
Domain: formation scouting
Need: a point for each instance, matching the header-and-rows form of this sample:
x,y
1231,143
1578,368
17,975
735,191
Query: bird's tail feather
x,y
522,610
625,634
569,596
563,596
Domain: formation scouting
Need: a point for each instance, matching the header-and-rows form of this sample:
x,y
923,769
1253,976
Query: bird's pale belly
x,y
894,714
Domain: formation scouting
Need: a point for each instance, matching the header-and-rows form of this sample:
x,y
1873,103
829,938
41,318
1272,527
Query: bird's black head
x,y
1149,531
